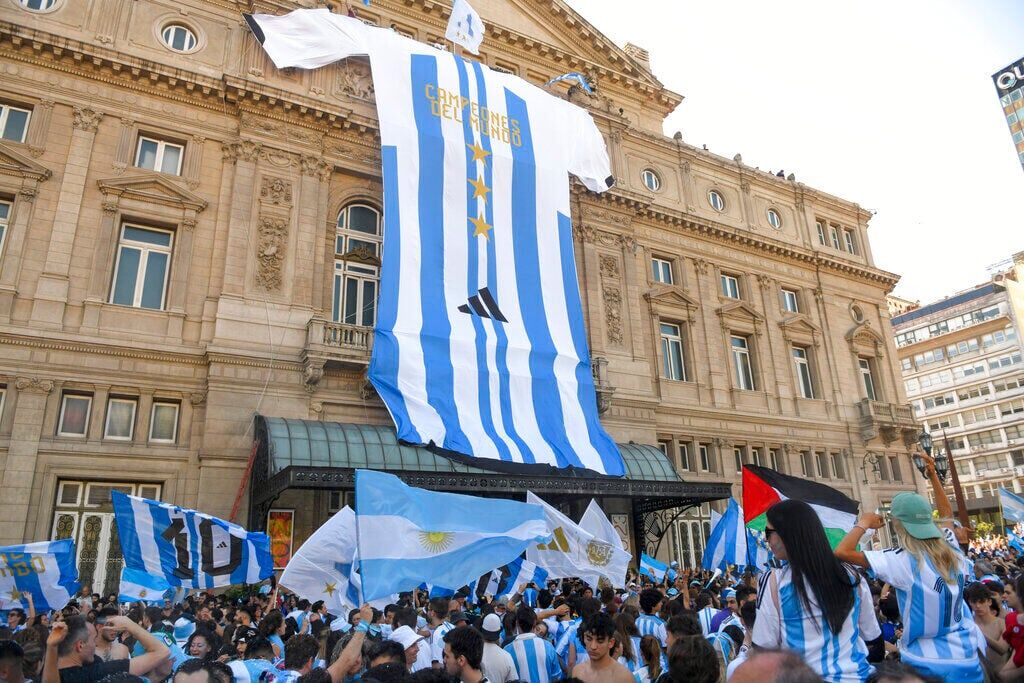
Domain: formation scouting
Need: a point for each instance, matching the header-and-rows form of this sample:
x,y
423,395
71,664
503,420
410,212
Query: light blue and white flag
x,y
408,535
652,568
575,77
727,544
1015,541
479,340
1012,504
137,585
518,572
465,27
188,548
596,522
44,570
759,555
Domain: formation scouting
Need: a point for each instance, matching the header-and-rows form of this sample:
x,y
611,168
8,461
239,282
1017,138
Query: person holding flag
x,y
928,572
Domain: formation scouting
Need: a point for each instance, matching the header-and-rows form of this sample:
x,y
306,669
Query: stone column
x,y
20,468
315,172
39,129
244,154
17,231
52,289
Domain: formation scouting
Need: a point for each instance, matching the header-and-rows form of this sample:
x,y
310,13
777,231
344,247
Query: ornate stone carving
x,y
34,385
613,313
189,223
312,373
314,166
197,398
109,207
609,266
27,193
745,185
244,150
355,80
275,190
316,407
819,294
367,391
584,233
272,234
764,281
87,119
701,266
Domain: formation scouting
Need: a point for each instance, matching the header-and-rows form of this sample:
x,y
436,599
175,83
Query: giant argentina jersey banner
x,y
188,548
479,346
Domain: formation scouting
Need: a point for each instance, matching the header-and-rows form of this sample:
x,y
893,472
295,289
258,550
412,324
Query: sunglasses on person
x,y
768,533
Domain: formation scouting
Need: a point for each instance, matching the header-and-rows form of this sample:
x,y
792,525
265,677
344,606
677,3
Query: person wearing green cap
x,y
928,572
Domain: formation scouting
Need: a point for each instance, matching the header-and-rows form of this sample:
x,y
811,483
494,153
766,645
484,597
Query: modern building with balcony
x,y
190,252
961,359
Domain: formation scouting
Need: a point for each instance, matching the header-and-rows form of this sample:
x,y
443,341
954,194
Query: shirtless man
x,y
599,638
108,647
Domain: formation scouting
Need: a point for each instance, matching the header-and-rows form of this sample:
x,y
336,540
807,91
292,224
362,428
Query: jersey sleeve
x,y
768,624
868,624
553,667
891,566
308,38
588,155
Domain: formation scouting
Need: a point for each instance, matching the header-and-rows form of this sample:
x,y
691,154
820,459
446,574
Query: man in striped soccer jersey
x,y
706,611
437,612
649,623
534,658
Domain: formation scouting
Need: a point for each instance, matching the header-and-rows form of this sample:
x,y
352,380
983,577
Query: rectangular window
x,y
756,457
744,373
867,378
163,424
673,363
159,155
661,270
13,123
851,245
737,454
883,468
906,364
838,471
803,371
820,466
773,459
833,232
142,266
730,286
3,395
5,215
120,423
705,457
74,415
684,456
821,232
894,466
789,301
355,294
806,467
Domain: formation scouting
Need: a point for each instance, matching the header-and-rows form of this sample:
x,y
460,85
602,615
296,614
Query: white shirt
x,y
734,664
437,641
497,664
836,657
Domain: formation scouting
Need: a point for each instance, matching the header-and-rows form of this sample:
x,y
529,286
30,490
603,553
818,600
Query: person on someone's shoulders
x,y
71,653
598,633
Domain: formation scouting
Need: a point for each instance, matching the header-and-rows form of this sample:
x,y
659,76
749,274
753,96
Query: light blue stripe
x,y
544,390
611,459
168,554
64,551
472,272
383,372
436,330
530,649
793,618
501,348
194,540
379,493
857,647
128,534
240,574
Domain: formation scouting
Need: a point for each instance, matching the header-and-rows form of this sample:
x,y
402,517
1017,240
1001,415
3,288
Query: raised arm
x,y
51,674
156,654
353,652
847,551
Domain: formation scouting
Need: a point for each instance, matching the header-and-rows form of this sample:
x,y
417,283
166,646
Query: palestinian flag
x,y
763,487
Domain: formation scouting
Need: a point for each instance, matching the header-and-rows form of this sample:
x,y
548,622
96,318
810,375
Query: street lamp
x,y
925,439
870,460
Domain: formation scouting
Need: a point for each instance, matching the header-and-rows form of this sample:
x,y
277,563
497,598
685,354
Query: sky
x,y
889,104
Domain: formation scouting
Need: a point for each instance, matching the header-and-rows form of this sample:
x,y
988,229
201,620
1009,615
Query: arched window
x,y
357,248
178,37
716,200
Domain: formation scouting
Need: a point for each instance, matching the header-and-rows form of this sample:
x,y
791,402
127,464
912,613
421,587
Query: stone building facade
x,y
191,238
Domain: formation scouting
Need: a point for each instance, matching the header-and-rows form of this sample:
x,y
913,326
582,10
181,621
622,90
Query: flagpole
x,y
958,492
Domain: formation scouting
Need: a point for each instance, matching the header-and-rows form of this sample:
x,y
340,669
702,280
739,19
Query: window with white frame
x,y
756,457
802,366
159,155
357,265
716,200
744,372
661,271
705,457
650,179
821,232
850,241
790,301
820,466
773,459
737,455
179,38
37,5
730,286
684,456
3,395
142,266
664,447
74,414
774,219
120,424
833,232
163,423
867,377
13,122
674,361
836,461
5,215
894,468
806,466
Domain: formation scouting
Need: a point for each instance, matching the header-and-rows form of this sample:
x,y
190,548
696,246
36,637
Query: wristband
x,y
374,629
858,526
361,627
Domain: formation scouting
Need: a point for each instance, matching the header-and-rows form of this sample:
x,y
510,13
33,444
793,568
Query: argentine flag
x,y
408,536
188,548
44,570
727,544
1012,504
1014,541
141,586
652,568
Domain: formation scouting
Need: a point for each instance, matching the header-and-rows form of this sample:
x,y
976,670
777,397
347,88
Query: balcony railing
x,y
344,336
888,420
329,342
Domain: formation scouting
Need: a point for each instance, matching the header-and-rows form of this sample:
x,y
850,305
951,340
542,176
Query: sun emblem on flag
x,y
15,595
599,554
436,541
142,593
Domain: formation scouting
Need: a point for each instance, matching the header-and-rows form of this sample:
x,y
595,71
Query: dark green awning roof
x,y
311,443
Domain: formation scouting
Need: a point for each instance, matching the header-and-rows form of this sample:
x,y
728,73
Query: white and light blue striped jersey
x,y
479,301
938,627
535,659
705,617
732,620
652,625
837,657
437,641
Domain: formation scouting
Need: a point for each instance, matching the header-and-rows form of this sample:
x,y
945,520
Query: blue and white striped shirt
x,y
535,659
651,625
706,616
437,641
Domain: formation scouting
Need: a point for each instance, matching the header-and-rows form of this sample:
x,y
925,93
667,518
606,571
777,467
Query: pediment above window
x,y
797,327
865,340
670,296
739,315
151,188
14,163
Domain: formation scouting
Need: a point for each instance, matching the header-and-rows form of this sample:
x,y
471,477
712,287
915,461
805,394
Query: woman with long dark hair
x,y
815,605
272,627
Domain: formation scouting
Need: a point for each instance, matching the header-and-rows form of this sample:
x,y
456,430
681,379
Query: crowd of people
x,y
931,609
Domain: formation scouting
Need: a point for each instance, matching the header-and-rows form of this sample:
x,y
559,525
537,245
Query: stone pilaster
x,y
19,473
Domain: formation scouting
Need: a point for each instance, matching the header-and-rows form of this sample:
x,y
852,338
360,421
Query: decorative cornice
x,y
103,350
34,385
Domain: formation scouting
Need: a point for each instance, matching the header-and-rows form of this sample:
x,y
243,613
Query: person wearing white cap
x,y
410,640
496,664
